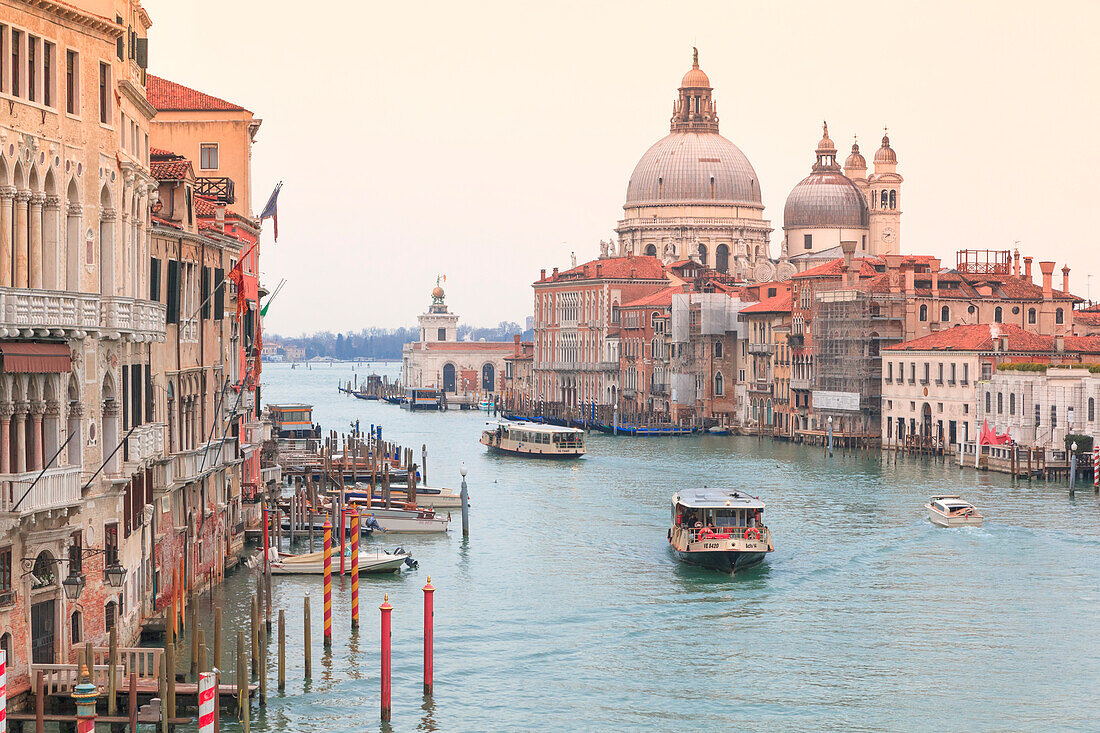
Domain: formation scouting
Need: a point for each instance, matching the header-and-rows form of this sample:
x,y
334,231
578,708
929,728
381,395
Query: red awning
x,y
24,357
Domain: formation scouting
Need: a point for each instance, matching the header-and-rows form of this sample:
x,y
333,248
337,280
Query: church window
x,y
441,334
945,314
924,312
1092,409
1012,403
998,314
893,199
651,250
884,198
1000,402
807,241
722,258
660,187
1059,316
1031,315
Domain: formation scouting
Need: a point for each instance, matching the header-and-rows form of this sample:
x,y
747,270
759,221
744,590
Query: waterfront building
x,y
931,385
1039,408
76,326
463,370
768,361
645,360
519,374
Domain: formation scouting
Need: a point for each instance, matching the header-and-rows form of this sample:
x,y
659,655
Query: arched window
x,y
1012,404
1000,403
712,187
1031,315
110,613
44,572
718,384
75,627
924,312
488,378
660,187
988,402
884,199
717,349
722,258
651,250
450,384
893,199
614,312
5,645
998,314
1092,409
945,314
1059,316
703,253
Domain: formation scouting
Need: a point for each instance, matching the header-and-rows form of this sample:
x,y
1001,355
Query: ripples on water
x,y
566,610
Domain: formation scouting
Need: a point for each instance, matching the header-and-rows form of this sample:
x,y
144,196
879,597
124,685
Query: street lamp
x,y
115,573
829,424
464,496
1072,465
73,586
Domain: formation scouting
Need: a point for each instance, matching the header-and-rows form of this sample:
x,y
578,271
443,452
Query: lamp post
x,y
465,497
829,427
1072,466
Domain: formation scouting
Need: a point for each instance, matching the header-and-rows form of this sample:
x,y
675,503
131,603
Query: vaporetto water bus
x,y
719,528
530,439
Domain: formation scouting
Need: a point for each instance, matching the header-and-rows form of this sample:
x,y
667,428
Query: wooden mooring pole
x,y
307,642
282,650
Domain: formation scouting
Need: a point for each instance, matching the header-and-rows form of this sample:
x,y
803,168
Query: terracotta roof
x,y
508,346
836,268
176,169
643,267
161,153
979,337
1091,309
1089,316
779,304
662,297
168,96
1083,344
205,207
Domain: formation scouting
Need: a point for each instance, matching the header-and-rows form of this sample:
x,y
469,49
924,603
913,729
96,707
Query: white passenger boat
x,y
426,496
719,528
951,511
529,439
485,405
396,519
313,563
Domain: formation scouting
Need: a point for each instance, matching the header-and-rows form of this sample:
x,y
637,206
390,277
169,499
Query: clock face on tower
x,y
888,234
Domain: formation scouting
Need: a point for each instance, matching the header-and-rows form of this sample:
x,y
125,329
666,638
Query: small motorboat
x,y
951,511
485,405
719,528
426,496
401,520
313,563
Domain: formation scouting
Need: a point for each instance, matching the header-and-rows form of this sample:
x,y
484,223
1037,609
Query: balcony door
x,y
43,628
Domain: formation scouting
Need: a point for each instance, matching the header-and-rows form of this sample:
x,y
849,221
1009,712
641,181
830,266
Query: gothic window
x,y
924,312
1059,316
998,314
1031,315
893,199
945,314
718,384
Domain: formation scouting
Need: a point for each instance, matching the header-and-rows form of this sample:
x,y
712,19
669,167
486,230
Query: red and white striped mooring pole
x,y
1096,468
429,635
3,691
206,703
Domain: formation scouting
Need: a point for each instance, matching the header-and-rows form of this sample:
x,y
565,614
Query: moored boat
x,y
951,511
719,528
402,520
313,563
529,439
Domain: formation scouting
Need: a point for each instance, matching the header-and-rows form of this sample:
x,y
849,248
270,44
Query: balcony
x,y
760,386
59,488
26,313
145,443
801,384
216,188
188,466
607,366
658,388
758,348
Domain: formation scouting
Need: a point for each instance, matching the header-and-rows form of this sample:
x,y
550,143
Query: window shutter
x,y
173,294
120,47
154,279
219,293
143,53
149,417
205,292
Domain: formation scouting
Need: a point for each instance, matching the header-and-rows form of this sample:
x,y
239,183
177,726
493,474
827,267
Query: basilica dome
x,y
826,197
693,167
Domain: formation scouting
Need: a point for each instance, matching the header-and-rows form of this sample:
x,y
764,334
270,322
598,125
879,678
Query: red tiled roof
x,y
171,170
779,304
168,96
161,153
205,207
1090,317
1091,309
643,267
508,346
1083,344
835,268
979,337
662,297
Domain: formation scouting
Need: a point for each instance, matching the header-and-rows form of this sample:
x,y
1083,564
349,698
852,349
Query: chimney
x,y
1016,263
909,280
555,271
849,249
1027,269
599,267
934,266
1065,279
1048,274
1060,343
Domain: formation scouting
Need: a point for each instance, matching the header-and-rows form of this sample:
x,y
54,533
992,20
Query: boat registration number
x,y
712,545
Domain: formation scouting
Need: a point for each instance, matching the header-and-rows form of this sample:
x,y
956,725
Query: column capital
x,y
53,409
37,199
108,214
7,192
38,408
75,209
22,196
22,408
6,411
76,410
111,408
53,202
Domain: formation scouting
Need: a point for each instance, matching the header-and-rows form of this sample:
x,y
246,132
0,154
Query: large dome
x,y
826,199
693,167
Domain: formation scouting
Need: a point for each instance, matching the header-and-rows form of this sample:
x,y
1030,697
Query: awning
x,y
37,358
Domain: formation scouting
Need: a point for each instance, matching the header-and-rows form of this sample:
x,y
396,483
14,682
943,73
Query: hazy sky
x,y
487,140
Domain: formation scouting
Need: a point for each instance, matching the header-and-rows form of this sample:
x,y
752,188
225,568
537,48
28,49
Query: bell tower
x,y
883,189
438,324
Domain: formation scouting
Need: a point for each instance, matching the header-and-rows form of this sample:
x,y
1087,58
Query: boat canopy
x,y
716,499
537,428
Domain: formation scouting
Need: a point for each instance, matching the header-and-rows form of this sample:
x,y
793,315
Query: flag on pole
x,y
271,209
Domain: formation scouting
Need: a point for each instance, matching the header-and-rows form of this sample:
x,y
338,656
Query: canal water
x,y
566,611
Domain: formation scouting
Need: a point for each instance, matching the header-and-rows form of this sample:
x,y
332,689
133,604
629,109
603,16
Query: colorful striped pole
x,y
84,696
386,608
3,691
328,582
343,536
206,702
429,635
354,569
1096,468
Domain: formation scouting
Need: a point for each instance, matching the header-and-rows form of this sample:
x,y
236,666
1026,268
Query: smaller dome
x,y
856,160
826,199
886,154
437,292
695,78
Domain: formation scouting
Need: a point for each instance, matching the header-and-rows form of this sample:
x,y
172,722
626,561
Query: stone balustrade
x,y
58,488
29,313
145,443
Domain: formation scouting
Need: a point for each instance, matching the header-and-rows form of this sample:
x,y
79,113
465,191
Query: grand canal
x,y
565,610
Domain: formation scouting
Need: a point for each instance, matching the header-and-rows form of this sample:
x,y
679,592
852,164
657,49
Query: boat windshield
x,y
569,440
689,517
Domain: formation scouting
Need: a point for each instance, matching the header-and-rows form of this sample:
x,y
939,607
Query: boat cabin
x,y
721,511
951,505
294,420
421,398
533,439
